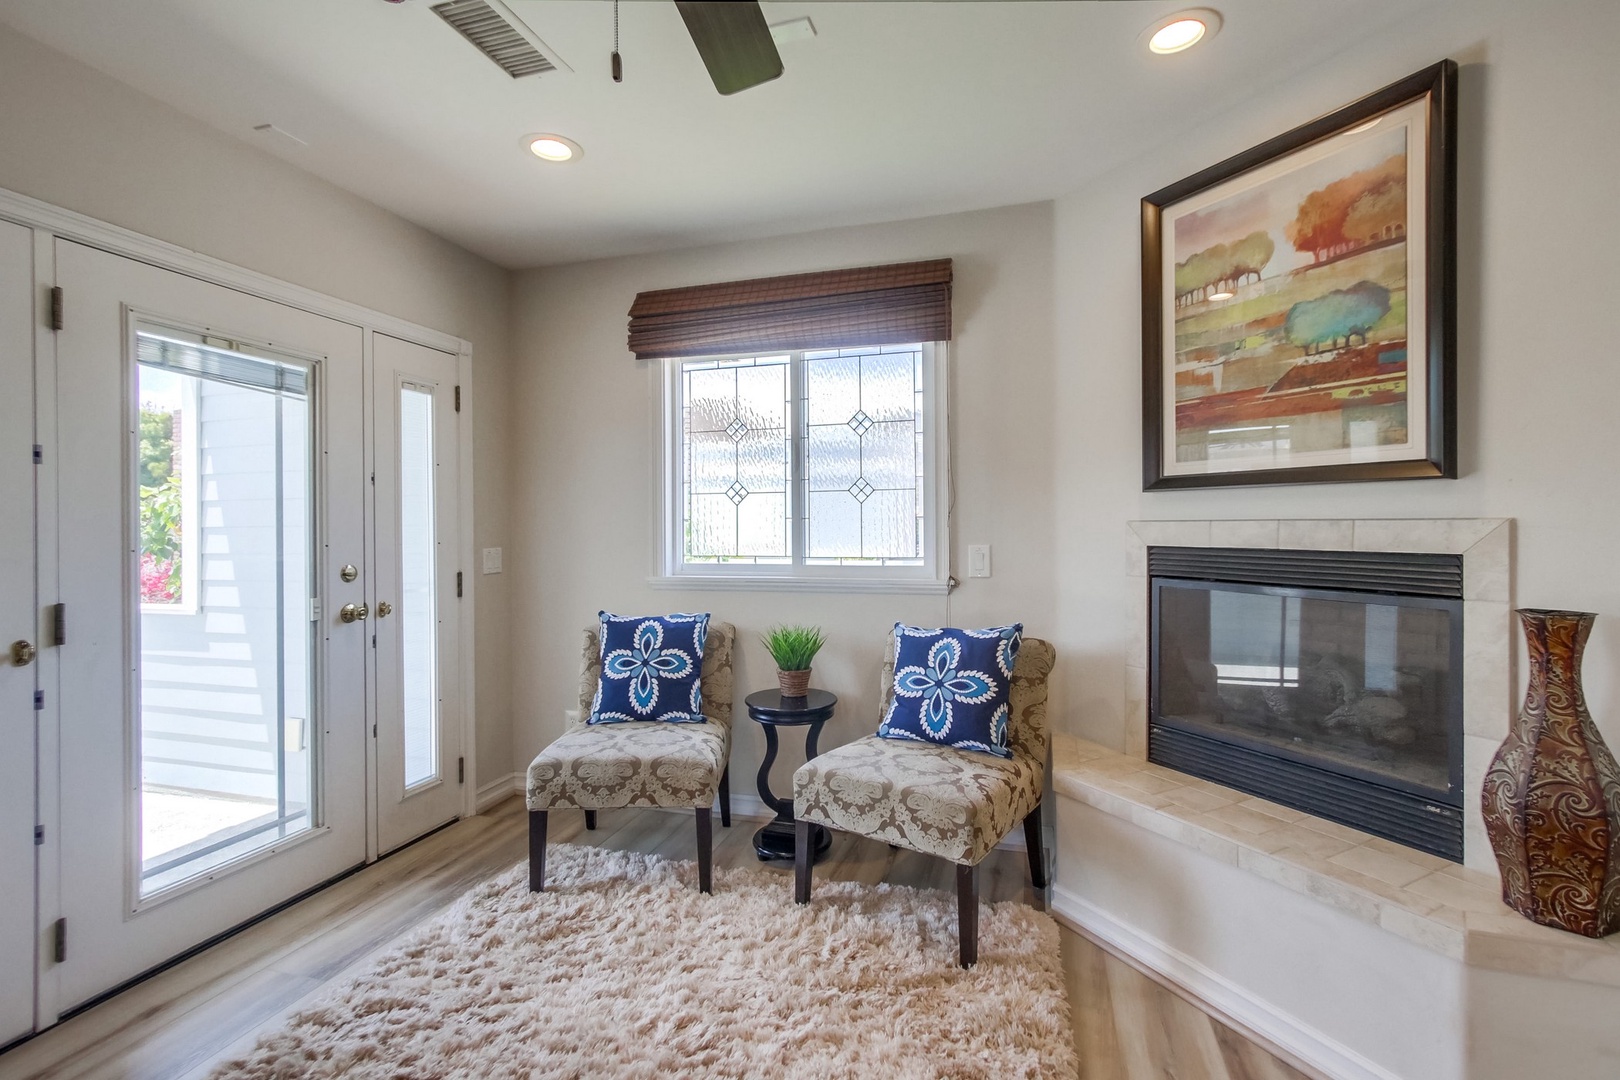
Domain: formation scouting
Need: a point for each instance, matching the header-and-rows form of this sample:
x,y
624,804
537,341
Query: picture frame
x,y
1299,302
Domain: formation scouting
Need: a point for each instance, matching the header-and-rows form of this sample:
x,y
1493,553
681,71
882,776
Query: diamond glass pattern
x,y
736,459
863,456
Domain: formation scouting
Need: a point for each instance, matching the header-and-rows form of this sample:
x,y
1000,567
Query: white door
x,y
19,622
415,590
212,492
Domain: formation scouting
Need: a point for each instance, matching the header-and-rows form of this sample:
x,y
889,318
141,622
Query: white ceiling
x,y
894,110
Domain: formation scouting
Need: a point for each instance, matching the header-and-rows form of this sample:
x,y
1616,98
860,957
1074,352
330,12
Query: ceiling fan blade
x,y
734,41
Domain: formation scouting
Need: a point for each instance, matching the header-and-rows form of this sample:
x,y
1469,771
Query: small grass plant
x,y
794,647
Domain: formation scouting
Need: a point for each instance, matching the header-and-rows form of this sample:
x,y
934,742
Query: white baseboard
x,y
1308,1048
493,792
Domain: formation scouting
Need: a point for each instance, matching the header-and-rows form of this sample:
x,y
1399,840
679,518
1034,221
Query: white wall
x,y
76,138
585,492
1540,107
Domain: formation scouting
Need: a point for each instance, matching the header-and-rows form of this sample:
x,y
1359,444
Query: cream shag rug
x,y
623,969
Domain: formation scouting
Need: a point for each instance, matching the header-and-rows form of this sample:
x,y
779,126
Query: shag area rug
x,y
621,968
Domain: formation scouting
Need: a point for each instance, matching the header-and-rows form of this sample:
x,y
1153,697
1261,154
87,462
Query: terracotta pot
x,y
793,683
1552,794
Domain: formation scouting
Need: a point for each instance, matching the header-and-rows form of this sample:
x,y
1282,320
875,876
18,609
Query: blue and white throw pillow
x,y
651,669
951,687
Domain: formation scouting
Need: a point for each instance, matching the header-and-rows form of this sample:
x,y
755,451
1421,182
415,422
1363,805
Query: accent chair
x,y
639,763
936,800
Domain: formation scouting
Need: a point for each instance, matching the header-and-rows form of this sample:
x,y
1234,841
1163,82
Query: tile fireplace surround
x,y
1352,956
1483,543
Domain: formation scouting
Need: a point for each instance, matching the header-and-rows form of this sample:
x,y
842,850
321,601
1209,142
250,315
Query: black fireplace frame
x,y
1409,813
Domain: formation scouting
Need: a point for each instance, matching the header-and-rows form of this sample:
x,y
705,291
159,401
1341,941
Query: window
x,y
815,468
223,483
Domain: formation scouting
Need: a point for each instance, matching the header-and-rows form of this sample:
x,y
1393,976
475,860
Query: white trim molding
x,y
1307,1049
498,790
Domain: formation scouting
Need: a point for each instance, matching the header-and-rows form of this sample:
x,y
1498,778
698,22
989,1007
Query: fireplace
x,y
1328,681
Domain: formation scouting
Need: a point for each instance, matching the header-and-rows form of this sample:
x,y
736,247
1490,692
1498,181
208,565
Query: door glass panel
x,y
418,609
223,486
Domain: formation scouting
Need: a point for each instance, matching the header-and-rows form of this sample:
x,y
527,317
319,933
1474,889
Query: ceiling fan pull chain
x,y
618,65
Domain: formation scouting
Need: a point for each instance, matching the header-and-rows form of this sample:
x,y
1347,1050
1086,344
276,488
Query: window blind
x,y
221,365
873,305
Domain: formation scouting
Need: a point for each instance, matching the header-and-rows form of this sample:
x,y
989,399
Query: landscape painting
x,y
1291,302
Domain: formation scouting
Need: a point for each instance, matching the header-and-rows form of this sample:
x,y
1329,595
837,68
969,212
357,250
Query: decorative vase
x,y
793,683
1552,793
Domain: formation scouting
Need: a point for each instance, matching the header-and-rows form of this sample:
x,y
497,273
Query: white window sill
x,y
768,583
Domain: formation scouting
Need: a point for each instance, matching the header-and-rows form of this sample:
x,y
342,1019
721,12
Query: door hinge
x,y
458,398
458,584
39,700
59,947
58,624
39,835
39,454
56,308
461,770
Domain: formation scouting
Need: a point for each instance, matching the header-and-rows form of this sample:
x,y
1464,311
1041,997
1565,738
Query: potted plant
x,y
793,648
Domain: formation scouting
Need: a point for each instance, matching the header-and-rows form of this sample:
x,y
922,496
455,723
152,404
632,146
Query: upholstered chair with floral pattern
x,y
937,800
642,763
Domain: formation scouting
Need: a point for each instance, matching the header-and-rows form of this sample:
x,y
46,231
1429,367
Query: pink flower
x,y
159,582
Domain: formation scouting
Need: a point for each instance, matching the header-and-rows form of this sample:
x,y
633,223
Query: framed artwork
x,y
1299,302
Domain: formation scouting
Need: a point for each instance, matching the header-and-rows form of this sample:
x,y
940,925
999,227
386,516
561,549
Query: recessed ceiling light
x,y
1181,31
554,148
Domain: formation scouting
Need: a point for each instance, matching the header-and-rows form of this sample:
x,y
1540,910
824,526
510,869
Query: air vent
x,y
499,35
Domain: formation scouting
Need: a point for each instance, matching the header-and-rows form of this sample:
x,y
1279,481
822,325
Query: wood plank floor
x,y
176,1025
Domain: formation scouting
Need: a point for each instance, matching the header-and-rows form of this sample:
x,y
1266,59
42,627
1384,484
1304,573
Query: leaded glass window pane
x,y
737,456
863,455
811,459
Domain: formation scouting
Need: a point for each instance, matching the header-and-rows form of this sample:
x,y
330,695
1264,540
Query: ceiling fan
x,y
734,41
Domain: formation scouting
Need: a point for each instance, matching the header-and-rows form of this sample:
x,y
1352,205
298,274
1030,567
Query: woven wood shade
x,y
872,305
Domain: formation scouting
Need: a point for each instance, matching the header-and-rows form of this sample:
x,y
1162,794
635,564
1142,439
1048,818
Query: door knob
x,y
353,612
23,653
384,609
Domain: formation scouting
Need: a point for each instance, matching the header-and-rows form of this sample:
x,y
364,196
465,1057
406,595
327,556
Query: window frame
x,y
932,576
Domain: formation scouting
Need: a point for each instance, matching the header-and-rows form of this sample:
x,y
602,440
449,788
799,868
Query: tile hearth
x,y
1440,905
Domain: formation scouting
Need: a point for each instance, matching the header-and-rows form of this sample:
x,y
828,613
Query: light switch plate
x,y
492,560
978,560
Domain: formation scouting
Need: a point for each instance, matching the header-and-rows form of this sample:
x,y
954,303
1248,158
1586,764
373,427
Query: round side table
x,y
773,710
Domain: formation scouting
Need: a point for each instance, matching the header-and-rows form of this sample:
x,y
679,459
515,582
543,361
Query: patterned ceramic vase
x,y
1552,794
793,683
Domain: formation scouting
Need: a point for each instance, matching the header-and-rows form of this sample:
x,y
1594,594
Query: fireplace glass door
x,y
1355,683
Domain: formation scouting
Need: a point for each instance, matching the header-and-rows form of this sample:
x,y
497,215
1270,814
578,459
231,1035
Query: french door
x,y
420,766
213,746
19,634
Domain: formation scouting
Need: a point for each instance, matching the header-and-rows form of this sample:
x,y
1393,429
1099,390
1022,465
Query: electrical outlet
x,y
570,716
978,560
492,560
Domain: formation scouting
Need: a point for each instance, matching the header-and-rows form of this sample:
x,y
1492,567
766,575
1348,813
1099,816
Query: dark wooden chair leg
x,y
1034,840
537,850
705,844
803,858
590,819
967,915
725,797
